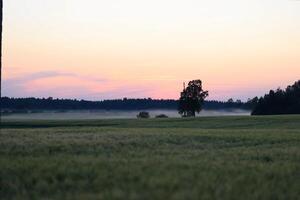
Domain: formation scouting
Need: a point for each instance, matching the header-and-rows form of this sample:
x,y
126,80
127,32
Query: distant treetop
x,y
279,101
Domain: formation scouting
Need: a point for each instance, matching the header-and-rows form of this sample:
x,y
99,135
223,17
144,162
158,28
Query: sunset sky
x,y
104,49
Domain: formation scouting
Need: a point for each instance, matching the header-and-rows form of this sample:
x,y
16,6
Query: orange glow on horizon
x,y
134,48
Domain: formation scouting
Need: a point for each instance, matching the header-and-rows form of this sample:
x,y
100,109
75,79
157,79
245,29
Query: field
x,y
201,158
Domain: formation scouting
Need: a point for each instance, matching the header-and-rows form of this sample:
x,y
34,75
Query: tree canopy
x,y
280,101
192,99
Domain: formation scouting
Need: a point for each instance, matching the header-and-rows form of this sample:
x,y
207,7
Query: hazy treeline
x,y
117,104
279,102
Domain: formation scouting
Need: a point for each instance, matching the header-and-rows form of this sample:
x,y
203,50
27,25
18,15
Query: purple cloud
x,y
15,87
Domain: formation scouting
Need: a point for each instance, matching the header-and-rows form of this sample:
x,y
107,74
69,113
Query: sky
x,y
100,49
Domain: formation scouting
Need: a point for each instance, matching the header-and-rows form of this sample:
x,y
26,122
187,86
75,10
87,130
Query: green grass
x,y
202,158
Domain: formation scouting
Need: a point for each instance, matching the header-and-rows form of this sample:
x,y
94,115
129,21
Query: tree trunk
x,y
193,113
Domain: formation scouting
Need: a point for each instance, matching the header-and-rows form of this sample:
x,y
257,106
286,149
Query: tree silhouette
x,y
279,101
192,99
39,104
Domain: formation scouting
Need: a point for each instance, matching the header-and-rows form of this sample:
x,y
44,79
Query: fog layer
x,y
114,114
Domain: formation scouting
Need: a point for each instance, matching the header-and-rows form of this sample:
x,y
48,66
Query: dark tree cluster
x,y
73,104
279,102
36,104
192,99
230,104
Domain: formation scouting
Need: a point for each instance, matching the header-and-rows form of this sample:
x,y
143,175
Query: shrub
x,y
161,116
144,115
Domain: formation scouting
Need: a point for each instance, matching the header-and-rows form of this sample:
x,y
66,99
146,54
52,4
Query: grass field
x,y
202,158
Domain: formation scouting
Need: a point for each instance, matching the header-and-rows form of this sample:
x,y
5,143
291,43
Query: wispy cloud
x,y
35,76
17,86
71,85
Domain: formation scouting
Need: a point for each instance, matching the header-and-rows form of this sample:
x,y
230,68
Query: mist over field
x,y
115,114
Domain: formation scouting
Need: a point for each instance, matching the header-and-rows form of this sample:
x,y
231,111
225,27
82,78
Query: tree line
x,y
279,101
23,104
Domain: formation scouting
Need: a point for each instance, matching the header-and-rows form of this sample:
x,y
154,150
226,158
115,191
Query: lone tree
x,y
192,99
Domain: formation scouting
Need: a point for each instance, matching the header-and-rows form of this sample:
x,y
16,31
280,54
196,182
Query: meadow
x,y
241,157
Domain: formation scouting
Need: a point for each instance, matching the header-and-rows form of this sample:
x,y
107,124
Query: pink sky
x,y
114,49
